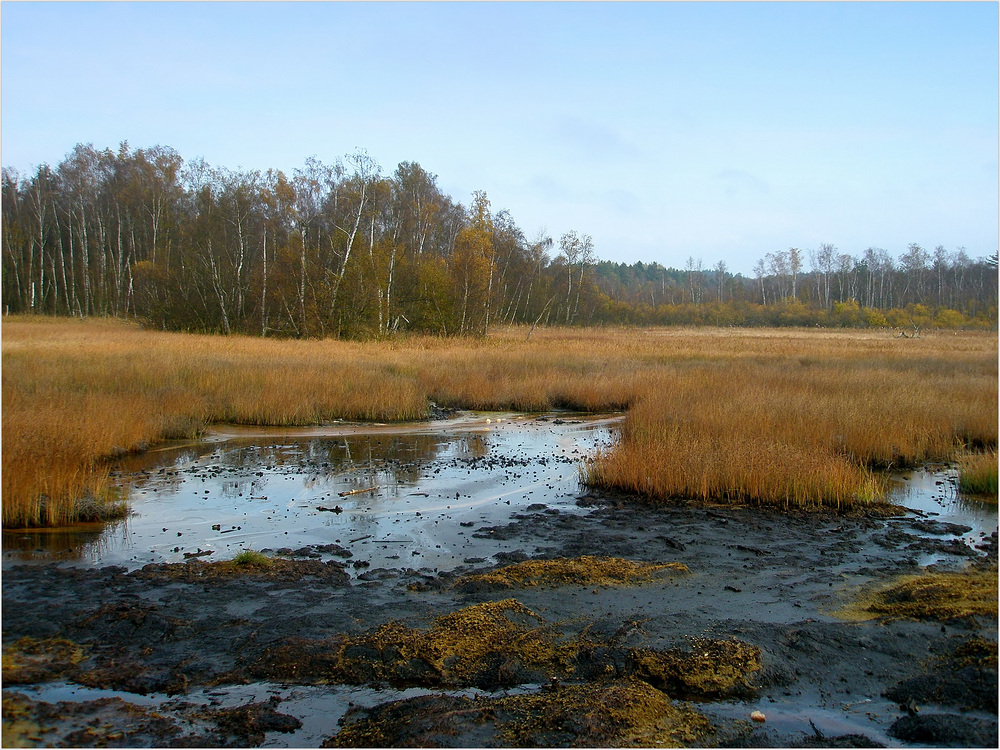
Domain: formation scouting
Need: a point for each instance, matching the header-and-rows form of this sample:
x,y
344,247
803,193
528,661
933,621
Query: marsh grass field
x,y
778,417
732,575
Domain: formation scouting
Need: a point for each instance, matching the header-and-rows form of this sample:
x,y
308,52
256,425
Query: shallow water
x,y
932,493
418,492
318,707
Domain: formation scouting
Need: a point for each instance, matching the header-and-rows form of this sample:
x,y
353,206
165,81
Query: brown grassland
x,y
785,417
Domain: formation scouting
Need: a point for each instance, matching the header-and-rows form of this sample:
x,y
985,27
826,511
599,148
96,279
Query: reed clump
x,y
977,473
782,417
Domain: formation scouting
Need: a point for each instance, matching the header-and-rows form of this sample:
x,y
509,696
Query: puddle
x,y
864,717
318,707
932,493
394,495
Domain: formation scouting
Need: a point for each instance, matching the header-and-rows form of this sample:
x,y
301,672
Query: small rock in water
x,y
758,716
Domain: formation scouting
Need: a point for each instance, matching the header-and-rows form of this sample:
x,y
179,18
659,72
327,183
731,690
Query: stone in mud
x,y
945,730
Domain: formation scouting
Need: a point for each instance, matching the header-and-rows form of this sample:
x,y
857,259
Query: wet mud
x,y
597,621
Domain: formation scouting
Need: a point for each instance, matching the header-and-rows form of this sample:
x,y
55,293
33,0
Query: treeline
x,y
344,250
919,289
333,250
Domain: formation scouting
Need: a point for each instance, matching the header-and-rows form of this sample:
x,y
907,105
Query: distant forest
x,y
344,250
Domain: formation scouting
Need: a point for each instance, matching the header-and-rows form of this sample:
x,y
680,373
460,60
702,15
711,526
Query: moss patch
x,y
622,713
626,713
930,596
708,669
502,644
487,645
580,571
29,661
251,566
965,677
106,722
21,727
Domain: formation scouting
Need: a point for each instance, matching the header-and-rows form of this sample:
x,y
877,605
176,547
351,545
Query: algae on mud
x,y
620,713
503,644
581,571
29,660
944,596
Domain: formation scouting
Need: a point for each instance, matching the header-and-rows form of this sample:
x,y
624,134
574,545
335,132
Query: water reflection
x,y
66,543
415,493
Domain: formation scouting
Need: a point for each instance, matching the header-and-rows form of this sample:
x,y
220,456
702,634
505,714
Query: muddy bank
x,y
313,650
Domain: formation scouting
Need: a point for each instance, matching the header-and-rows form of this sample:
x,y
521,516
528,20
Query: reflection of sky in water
x,y
270,492
436,485
932,493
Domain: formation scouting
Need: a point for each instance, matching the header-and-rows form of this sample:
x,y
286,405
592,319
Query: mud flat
x,y
567,619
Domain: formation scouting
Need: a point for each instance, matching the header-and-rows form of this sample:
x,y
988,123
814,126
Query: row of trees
x,y
336,249
344,250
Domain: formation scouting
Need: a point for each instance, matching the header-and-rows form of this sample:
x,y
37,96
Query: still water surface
x,y
399,496
419,495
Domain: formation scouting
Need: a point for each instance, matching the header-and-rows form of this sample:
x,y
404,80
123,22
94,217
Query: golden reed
x,y
779,417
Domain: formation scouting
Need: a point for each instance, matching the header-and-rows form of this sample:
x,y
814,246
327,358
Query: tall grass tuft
x,y
780,417
977,473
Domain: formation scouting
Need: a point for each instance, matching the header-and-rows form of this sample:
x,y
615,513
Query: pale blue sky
x,y
719,131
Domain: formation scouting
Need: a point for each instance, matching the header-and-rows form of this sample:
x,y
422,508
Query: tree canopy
x,y
346,250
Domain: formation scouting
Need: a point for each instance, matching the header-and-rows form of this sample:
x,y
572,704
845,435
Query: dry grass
x,y
786,417
977,474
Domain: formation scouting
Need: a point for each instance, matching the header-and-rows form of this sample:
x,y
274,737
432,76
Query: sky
x,y
668,131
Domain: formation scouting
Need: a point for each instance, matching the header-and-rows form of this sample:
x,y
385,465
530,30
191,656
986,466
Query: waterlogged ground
x,y
417,493
416,603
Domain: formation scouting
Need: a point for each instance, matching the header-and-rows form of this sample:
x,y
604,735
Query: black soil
x,y
760,600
